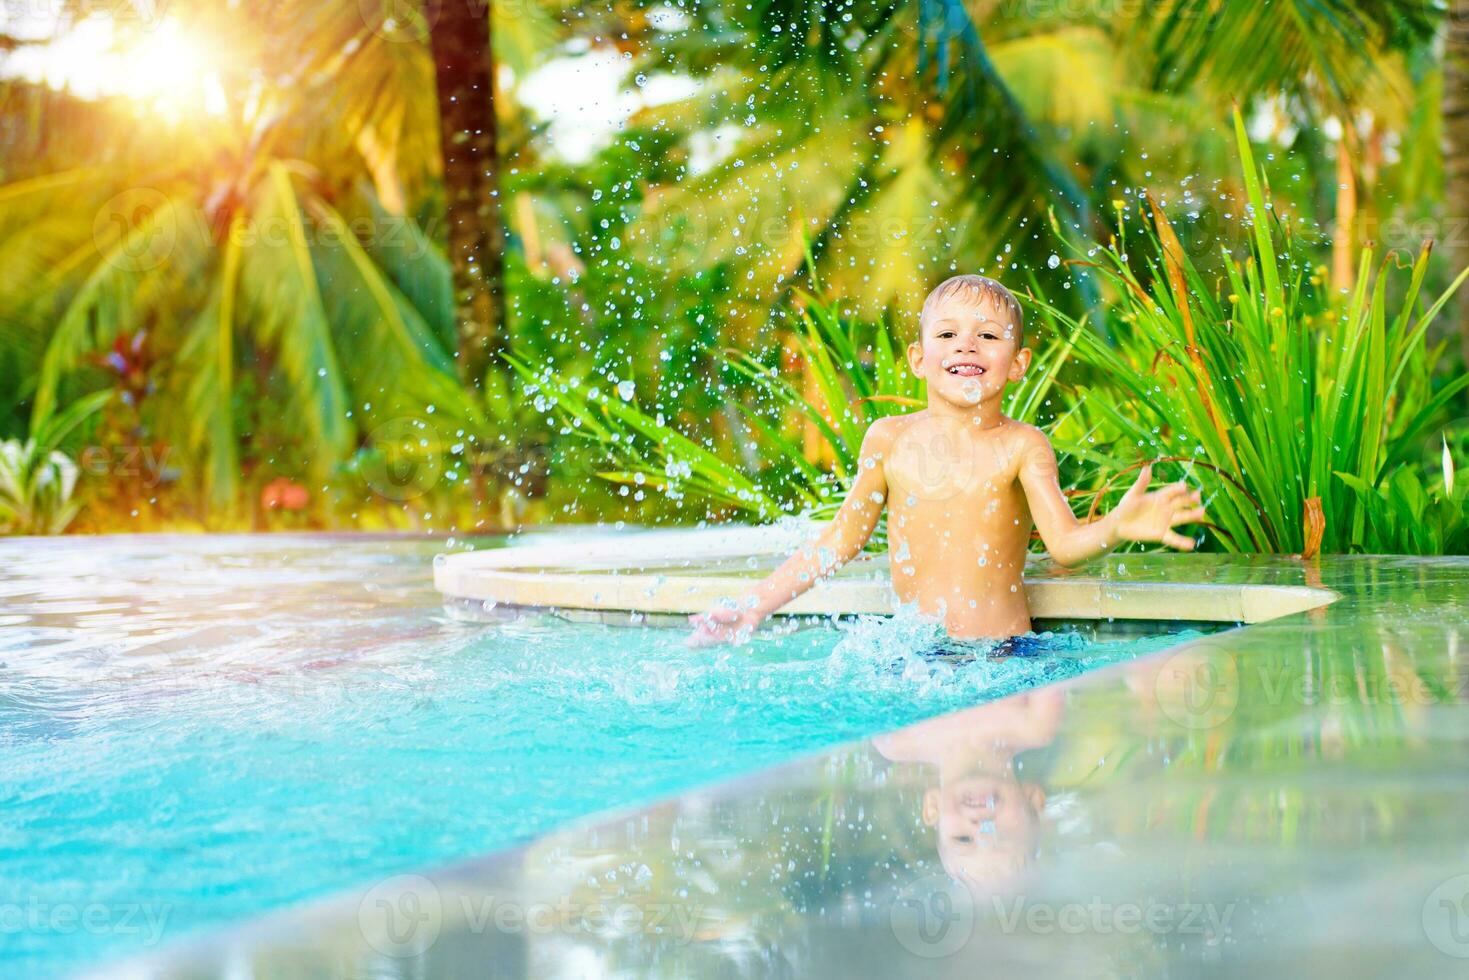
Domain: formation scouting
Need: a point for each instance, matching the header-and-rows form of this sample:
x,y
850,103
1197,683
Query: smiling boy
x,y
963,485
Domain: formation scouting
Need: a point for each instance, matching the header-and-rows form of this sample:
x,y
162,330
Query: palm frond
x,y
130,262
282,305
1339,42
207,426
394,364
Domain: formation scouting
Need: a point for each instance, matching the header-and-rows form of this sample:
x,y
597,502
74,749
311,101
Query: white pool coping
x,y
673,573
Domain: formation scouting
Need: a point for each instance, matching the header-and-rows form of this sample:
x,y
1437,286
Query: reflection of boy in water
x,y
986,819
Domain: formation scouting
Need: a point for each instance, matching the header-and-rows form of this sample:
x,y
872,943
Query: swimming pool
x,y
199,729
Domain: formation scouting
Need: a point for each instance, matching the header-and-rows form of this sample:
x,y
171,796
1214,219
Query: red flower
x,y
282,494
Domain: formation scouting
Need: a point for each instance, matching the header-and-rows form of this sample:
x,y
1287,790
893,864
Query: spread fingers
x,y
1175,540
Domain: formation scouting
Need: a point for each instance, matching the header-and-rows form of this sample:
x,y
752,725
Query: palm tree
x,y
859,128
275,254
464,74
903,136
250,255
1342,59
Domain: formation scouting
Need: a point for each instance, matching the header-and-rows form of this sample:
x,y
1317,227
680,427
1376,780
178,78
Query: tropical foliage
x,y
37,478
1284,399
290,288
854,373
1300,411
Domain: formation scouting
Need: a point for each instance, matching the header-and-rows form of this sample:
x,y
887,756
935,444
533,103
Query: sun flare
x,y
163,67
170,70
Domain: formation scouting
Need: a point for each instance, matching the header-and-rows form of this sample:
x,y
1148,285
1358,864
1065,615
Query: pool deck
x,y
663,576
1286,799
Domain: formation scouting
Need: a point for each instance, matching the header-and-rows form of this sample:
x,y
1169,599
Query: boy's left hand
x,y
1144,516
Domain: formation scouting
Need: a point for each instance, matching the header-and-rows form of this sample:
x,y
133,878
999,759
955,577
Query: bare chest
x,y
938,463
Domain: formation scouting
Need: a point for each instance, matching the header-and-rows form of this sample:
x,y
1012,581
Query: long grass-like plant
x,y
1292,405
855,375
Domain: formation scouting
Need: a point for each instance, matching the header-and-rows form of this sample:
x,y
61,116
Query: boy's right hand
x,y
721,624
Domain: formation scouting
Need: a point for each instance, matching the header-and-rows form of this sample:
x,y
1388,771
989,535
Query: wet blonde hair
x,y
975,290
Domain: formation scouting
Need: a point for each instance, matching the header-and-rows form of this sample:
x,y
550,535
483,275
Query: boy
x,y
987,820
962,484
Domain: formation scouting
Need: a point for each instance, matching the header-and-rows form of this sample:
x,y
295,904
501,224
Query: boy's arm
x,y
1138,516
840,542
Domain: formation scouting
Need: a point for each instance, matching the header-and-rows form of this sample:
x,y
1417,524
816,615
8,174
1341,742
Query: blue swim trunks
x,y
1027,645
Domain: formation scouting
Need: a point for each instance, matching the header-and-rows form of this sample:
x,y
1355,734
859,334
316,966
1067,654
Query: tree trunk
x,y
1456,155
464,74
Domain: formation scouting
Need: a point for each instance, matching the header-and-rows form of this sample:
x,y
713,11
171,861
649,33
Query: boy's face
x,y
987,827
968,352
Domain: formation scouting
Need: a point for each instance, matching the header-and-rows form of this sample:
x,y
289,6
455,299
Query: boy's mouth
x,y
964,370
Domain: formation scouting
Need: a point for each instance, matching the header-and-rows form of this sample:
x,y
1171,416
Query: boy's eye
x,y
987,336
946,335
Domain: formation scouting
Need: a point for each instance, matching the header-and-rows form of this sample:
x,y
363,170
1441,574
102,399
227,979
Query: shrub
x,y
1295,408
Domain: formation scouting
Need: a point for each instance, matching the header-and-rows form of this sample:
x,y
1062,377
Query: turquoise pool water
x,y
201,729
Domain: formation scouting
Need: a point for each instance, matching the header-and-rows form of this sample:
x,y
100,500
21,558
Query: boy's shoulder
x,y
1027,434
883,431
1027,439
1031,448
